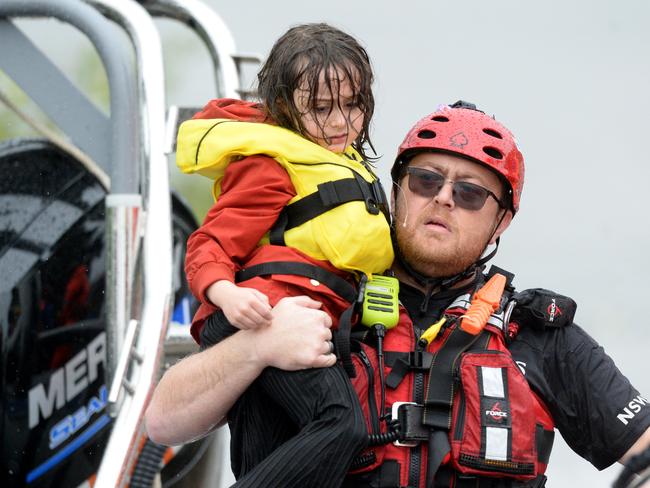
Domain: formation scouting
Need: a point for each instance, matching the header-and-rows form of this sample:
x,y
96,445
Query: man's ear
x,y
503,225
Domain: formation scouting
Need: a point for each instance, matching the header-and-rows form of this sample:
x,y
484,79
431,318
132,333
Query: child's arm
x,y
253,193
245,308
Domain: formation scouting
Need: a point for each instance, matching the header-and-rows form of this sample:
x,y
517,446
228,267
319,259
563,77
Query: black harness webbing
x,y
440,394
335,283
342,340
438,449
440,387
401,363
329,195
544,439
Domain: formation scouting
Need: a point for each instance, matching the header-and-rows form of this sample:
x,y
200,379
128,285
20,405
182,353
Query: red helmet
x,y
462,129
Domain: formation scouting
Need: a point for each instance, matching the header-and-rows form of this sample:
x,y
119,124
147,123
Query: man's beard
x,y
431,261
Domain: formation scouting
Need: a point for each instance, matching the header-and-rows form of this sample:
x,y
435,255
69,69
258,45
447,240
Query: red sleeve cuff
x,y
208,274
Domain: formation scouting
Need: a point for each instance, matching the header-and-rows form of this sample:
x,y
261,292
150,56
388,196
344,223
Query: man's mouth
x,y
436,223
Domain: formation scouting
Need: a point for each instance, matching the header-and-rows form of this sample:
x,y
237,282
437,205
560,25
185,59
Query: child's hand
x,y
245,308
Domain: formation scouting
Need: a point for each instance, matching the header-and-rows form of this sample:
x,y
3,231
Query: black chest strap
x,y
441,384
329,195
335,283
440,394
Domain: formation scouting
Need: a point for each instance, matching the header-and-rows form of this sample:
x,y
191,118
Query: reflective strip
x,y
461,302
492,382
496,320
496,443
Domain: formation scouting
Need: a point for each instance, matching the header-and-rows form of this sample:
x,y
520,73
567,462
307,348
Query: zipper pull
x,y
430,334
364,359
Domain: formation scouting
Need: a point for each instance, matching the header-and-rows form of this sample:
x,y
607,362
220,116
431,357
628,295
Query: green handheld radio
x,y
380,311
380,302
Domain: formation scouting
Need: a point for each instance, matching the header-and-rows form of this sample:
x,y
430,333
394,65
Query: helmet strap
x,y
442,283
430,284
483,260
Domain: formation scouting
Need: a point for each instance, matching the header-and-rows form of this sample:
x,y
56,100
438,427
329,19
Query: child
x,y
298,212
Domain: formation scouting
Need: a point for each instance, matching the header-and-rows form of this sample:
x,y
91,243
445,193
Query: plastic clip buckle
x,y
395,415
380,197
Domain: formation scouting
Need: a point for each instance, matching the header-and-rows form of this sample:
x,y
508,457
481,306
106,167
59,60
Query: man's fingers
x,y
328,321
327,334
328,347
325,361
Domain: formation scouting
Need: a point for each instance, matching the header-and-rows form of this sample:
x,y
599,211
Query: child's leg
x,y
256,431
332,429
216,329
325,408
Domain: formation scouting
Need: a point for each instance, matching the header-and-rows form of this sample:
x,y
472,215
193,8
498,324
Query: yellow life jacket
x,y
352,235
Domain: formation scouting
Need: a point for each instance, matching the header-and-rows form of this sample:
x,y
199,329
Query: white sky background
x,y
570,79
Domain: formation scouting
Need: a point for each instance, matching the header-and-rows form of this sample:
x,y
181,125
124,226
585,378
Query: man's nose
x,y
446,194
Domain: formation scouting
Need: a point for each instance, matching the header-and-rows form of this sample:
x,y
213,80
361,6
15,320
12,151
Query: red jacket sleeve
x,y
253,192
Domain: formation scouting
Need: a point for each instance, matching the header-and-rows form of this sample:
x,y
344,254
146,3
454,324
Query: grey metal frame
x,y
129,394
213,32
122,134
138,215
138,206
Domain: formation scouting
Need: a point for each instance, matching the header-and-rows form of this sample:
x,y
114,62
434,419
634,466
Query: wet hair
x,y
298,58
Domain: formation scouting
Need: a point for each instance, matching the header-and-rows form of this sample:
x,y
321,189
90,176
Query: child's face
x,y
333,119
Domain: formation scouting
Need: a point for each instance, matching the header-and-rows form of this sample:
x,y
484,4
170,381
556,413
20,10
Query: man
x,y
457,182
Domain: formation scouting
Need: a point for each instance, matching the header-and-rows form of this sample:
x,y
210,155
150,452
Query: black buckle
x,y
328,194
368,192
420,360
412,430
380,199
334,193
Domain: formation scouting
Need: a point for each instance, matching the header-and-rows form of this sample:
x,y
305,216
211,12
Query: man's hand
x,y
195,394
298,337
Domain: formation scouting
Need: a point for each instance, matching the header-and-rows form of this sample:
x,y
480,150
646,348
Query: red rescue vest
x,y
495,425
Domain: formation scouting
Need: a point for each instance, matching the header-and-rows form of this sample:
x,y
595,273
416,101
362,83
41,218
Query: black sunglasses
x,y
427,183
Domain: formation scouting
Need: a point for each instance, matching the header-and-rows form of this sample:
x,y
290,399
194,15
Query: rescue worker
x,y
457,183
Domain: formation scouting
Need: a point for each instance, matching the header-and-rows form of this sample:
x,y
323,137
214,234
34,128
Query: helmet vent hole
x,y
426,134
440,118
493,152
493,133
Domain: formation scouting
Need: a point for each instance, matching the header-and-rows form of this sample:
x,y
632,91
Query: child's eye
x,y
321,109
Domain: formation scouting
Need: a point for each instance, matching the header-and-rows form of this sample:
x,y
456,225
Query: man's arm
x,y
195,394
641,444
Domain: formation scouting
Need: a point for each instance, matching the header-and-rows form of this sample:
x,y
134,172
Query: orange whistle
x,y
484,303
